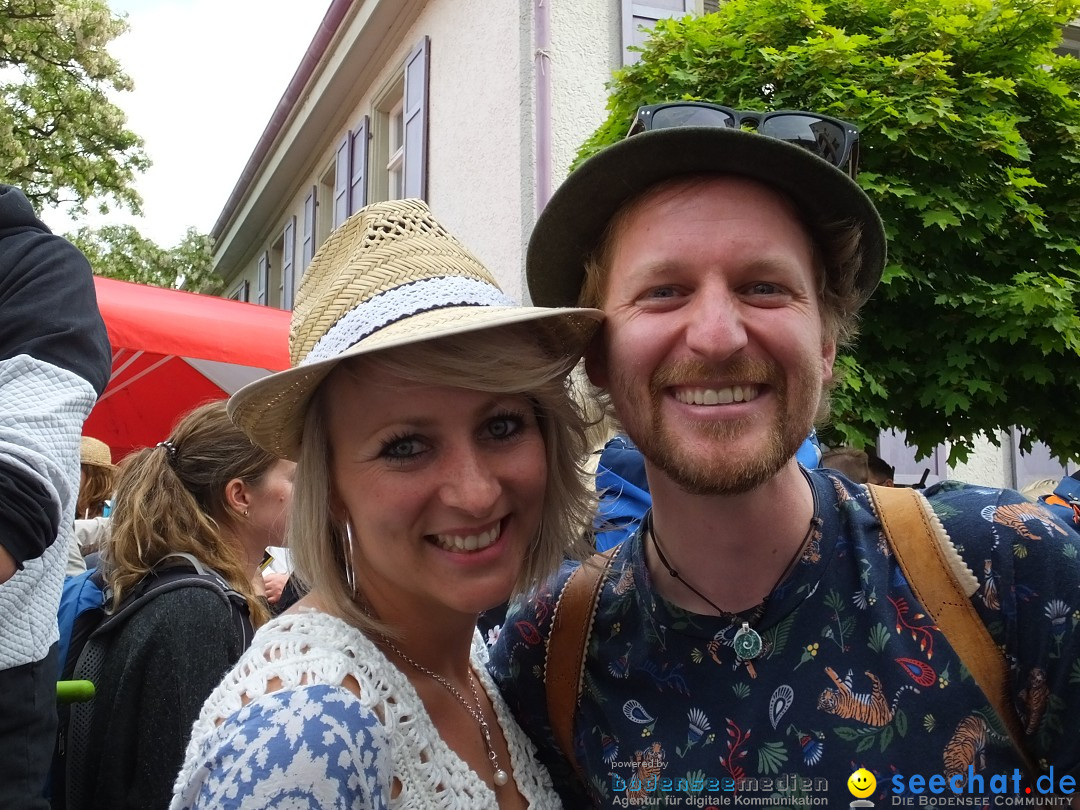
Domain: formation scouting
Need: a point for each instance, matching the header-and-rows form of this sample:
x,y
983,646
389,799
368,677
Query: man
x,y
882,472
756,638
54,361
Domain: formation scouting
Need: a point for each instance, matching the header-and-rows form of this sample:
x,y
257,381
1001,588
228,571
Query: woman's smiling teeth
x,y
716,396
470,542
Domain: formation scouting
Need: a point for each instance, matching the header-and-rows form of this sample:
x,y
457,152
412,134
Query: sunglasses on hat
x,y
829,138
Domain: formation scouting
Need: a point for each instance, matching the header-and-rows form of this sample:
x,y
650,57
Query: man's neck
x,y
734,549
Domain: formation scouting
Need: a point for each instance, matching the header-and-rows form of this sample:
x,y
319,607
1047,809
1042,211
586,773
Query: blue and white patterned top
x,y
282,731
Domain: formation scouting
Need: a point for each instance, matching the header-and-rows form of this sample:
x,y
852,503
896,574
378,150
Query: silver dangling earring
x,y
350,573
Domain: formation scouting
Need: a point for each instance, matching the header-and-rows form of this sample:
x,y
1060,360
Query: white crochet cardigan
x,y
310,649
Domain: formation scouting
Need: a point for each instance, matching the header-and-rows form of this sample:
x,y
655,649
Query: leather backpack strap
x,y
944,585
567,643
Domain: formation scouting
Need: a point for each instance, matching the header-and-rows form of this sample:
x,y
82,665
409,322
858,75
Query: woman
x,y
438,455
97,479
207,495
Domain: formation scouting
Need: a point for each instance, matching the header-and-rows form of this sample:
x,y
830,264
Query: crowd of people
x,y
717,606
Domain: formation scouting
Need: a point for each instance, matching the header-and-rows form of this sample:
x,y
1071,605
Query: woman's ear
x,y
237,497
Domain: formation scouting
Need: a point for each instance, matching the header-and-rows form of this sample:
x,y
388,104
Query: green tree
x,y
119,251
970,135
62,140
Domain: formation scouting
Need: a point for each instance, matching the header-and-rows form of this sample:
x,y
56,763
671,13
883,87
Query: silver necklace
x,y
500,776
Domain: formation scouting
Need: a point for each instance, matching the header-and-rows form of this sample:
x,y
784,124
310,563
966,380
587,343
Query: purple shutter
x,y
341,182
262,282
308,252
358,159
288,263
415,113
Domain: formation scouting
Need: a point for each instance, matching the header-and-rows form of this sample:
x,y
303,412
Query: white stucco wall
x,y
478,128
586,46
987,465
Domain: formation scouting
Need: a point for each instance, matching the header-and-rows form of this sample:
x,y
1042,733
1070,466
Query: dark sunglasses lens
x,y
824,138
689,115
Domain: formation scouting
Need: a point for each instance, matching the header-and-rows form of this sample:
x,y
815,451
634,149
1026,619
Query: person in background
x,y
849,461
1064,501
439,470
209,493
55,361
97,480
758,625
881,472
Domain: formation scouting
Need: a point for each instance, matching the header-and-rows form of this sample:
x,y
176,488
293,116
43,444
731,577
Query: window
x,y
1070,42
288,264
262,280
638,14
324,214
241,293
399,136
311,204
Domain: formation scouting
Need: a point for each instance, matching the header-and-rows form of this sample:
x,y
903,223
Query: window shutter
x,y
415,113
358,160
644,13
341,182
288,264
309,228
263,280
241,291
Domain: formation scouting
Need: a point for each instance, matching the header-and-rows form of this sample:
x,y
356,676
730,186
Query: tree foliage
x,y
119,251
970,135
62,140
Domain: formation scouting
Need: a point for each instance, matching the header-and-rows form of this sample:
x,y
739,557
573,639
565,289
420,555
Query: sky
x,y
208,75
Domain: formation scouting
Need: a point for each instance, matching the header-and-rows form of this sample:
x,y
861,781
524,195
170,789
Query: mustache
x,y
740,369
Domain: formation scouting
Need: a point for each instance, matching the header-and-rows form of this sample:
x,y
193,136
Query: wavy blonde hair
x,y
511,362
174,501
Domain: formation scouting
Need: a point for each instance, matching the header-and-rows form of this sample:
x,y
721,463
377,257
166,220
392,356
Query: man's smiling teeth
x,y
471,542
716,396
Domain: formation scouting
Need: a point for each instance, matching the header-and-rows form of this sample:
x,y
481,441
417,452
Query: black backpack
x,y
91,635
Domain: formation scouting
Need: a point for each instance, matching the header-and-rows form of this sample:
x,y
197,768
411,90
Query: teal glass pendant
x,y
747,643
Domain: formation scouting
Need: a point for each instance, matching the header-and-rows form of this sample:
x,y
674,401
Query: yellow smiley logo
x,y
861,783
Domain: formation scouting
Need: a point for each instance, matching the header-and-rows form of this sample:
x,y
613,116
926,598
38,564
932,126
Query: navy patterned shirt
x,y
852,673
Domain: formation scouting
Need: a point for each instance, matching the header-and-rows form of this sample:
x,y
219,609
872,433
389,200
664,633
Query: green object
x,y
747,643
74,691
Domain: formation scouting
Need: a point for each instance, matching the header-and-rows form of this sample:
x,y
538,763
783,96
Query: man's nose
x,y
715,327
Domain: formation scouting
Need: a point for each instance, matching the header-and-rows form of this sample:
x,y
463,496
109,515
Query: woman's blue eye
x,y
504,427
404,447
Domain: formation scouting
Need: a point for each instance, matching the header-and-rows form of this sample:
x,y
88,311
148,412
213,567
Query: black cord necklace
x,y
747,642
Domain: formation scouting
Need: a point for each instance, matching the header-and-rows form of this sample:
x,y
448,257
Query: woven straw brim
x,y
95,453
571,224
271,410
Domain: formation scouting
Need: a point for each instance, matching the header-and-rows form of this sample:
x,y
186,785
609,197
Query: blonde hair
x,y
513,363
171,498
95,487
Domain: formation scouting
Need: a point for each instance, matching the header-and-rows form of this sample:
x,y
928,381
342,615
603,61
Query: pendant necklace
x,y
747,642
500,777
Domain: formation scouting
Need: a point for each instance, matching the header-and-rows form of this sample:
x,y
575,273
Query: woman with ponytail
x,y
207,499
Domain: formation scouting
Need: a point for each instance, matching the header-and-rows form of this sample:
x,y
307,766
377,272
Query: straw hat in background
x,y
391,275
96,453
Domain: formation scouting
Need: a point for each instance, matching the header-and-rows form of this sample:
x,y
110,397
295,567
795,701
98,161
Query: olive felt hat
x,y
574,220
390,276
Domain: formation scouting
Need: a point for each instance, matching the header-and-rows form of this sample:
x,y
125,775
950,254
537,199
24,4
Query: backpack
x,y
86,628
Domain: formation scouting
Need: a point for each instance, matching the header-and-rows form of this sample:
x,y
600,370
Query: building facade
x,y
477,107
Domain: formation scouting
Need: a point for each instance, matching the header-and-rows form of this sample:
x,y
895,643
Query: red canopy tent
x,y
173,350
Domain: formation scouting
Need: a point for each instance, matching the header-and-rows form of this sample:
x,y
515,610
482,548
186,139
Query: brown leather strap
x,y
564,664
930,562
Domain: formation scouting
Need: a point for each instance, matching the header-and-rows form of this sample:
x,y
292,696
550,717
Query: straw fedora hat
x,y
96,453
390,276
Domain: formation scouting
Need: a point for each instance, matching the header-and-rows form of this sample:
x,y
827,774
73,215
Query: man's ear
x,y
596,359
828,361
